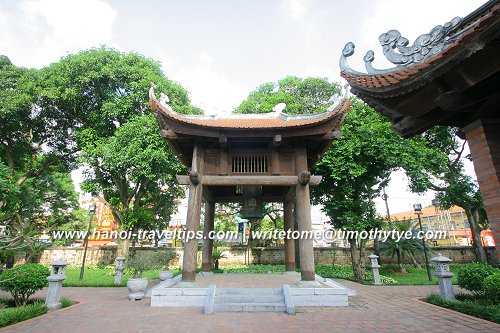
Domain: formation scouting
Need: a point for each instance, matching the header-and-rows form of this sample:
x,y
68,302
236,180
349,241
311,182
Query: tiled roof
x,y
253,121
405,76
426,211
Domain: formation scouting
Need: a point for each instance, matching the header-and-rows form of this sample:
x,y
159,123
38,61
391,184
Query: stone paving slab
x,y
376,309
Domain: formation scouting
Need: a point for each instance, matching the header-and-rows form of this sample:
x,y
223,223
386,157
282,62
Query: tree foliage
x,y
35,186
301,96
102,95
358,165
403,248
453,186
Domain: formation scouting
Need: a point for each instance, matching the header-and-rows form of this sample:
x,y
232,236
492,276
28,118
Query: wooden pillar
x,y
289,242
208,243
296,240
303,214
193,216
483,137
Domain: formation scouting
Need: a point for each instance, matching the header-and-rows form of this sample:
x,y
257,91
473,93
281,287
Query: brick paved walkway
x,y
375,309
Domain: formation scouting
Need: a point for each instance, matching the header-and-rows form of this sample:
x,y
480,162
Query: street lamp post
x,y
418,210
86,240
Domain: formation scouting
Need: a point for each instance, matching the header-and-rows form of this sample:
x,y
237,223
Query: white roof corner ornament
x,y
152,90
164,101
164,98
278,109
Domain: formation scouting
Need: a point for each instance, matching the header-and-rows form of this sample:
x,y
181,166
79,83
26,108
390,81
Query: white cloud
x,y
299,15
210,91
296,9
208,88
39,32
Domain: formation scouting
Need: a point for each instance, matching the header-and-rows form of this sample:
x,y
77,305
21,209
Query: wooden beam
x,y
315,180
236,198
183,180
248,180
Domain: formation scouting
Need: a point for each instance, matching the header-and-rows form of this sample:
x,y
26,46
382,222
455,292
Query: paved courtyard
x,y
375,309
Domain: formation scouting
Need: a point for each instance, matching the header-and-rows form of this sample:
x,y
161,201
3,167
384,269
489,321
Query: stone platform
x,y
278,292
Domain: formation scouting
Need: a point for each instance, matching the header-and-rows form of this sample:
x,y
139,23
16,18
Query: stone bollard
x,y
120,266
56,279
444,276
374,267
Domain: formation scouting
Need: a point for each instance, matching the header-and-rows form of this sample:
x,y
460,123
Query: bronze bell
x,y
252,203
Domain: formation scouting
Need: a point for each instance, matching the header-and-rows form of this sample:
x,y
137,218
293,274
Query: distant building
x,y
453,220
104,223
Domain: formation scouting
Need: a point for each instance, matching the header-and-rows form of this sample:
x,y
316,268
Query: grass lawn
x,y
415,276
102,276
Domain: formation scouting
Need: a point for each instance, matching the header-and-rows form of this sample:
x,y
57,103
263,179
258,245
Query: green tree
x,y
357,166
405,247
453,186
36,191
301,96
103,94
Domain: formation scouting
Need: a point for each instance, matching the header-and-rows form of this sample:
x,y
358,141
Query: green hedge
x,y
491,286
11,316
472,276
470,306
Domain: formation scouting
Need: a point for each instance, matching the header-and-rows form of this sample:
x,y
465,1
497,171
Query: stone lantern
x,y
374,267
56,279
120,266
444,275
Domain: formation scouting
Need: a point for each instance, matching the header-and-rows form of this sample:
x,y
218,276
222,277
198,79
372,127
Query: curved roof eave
x,y
431,53
199,124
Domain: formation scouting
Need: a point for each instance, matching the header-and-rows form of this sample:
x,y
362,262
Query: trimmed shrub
x,y
15,315
471,307
471,276
23,281
491,286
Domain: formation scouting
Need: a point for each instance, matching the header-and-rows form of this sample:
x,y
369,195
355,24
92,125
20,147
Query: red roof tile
x,y
244,121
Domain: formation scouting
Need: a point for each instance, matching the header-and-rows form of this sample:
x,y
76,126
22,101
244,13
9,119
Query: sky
x,y
221,50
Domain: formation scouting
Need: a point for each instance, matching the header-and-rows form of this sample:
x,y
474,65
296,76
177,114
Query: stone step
x,y
249,307
249,298
248,291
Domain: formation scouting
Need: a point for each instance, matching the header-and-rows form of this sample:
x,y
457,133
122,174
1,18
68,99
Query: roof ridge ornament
x,y
163,97
425,46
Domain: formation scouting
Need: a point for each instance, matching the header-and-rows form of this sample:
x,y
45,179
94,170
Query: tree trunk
x,y
398,255
358,256
477,244
122,247
414,261
400,263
